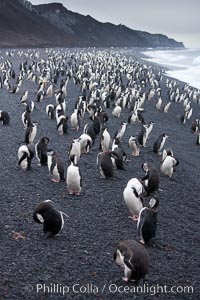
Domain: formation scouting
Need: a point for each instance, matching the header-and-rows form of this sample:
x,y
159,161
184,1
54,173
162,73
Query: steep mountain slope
x,y
25,25
94,33
19,27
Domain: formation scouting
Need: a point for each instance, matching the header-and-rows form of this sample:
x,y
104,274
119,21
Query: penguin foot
x,y
134,218
141,242
48,235
125,279
55,180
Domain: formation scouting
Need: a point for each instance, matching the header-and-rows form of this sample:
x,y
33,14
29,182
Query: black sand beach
x,y
79,261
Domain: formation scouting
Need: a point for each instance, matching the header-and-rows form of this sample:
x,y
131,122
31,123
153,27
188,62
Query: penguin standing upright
x,y
117,111
31,133
73,179
143,135
120,157
120,132
75,119
50,110
25,155
105,140
55,166
134,146
133,258
41,151
198,139
89,129
159,103
4,117
26,118
62,124
30,106
105,165
159,143
168,164
147,221
75,151
85,142
24,97
151,180
166,107
132,195
50,91
51,218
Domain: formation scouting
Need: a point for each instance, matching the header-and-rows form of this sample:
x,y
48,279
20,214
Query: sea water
x,y
183,64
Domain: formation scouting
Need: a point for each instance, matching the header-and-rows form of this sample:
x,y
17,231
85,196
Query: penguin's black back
x,y
135,257
52,221
106,164
148,229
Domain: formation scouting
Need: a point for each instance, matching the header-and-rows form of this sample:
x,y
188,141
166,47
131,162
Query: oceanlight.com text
x,y
76,288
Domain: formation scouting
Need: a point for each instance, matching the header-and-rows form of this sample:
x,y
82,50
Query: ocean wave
x,y
190,75
196,61
188,60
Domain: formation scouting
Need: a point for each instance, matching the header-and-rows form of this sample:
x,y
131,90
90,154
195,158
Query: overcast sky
x,y
178,19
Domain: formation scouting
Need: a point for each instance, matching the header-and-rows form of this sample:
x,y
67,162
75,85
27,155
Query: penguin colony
x,y
110,85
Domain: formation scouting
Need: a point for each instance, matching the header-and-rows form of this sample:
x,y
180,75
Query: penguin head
x,y
165,136
151,122
153,203
45,140
116,141
35,124
50,152
132,138
42,208
168,152
113,154
145,167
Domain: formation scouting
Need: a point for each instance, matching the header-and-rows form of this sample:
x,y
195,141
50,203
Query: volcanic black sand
x,y
79,261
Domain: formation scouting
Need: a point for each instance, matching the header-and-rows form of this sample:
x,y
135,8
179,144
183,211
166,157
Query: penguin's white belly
x,y
105,143
56,173
33,134
161,145
167,167
74,120
117,111
134,148
73,179
60,129
76,151
144,139
134,204
114,163
133,118
24,164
